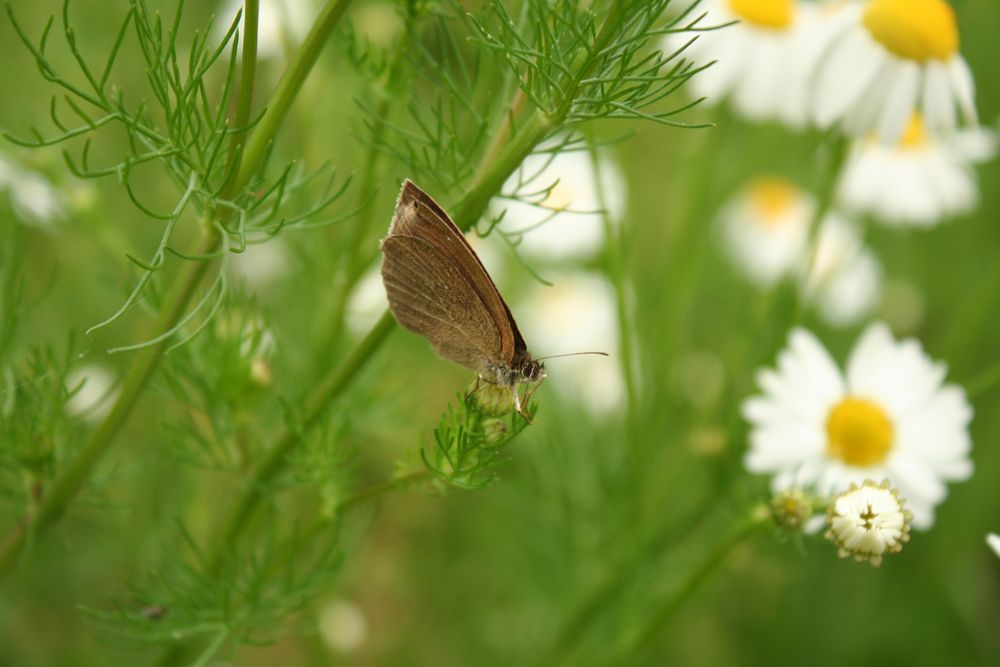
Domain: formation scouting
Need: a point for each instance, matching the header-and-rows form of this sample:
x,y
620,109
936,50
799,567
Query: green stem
x,y
662,616
288,88
248,75
378,488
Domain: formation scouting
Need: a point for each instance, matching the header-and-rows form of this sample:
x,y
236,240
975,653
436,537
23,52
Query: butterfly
x,y
438,287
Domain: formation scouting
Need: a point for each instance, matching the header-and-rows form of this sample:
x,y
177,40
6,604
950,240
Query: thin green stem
x,y
696,579
288,88
248,75
213,648
378,488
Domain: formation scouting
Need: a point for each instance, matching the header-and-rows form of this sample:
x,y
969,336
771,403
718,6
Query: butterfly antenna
x,y
570,354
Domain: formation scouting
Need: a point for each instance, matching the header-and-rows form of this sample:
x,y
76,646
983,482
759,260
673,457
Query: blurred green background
x,y
500,575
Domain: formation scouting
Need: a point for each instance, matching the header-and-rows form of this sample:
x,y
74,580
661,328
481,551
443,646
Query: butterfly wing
x,y
430,295
418,215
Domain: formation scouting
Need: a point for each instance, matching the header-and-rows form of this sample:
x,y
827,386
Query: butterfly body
x,y
437,287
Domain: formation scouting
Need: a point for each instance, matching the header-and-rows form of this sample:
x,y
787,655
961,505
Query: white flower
x,y
94,392
993,540
578,313
889,416
844,279
888,60
760,63
280,23
565,217
343,626
33,198
260,264
919,180
765,228
868,521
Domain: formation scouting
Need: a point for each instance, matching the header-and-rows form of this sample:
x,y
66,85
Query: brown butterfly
x,y
438,288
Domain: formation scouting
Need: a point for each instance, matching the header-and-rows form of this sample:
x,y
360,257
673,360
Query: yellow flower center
x,y
918,30
915,135
773,14
858,432
772,198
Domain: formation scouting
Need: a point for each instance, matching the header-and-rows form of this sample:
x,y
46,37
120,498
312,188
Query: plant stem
x,y
378,488
288,88
662,616
248,75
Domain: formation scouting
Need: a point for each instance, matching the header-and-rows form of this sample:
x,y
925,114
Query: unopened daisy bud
x,y
495,429
492,399
791,509
868,521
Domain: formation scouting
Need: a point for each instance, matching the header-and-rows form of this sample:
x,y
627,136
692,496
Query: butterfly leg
x,y
531,392
479,381
518,406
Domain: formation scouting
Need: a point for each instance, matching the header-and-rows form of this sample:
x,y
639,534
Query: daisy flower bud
x,y
492,399
791,509
868,521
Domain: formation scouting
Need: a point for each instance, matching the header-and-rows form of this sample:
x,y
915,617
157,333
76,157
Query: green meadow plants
x,y
217,446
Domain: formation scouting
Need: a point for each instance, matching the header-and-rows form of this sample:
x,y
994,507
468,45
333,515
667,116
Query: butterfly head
x,y
532,371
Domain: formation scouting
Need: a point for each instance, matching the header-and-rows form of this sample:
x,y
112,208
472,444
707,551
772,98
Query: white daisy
x,y
564,219
868,521
94,392
919,180
578,313
890,59
888,416
759,63
844,278
765,228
